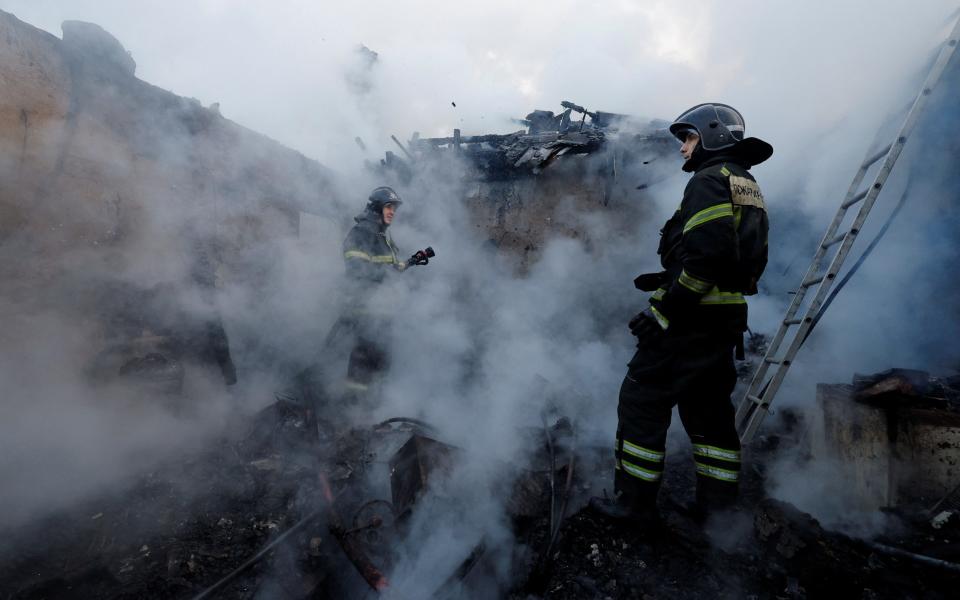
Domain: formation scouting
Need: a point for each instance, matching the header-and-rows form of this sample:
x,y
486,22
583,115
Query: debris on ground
x,y
298,514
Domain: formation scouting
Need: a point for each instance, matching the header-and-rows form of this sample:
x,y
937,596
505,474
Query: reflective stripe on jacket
x,y
722,214
368,250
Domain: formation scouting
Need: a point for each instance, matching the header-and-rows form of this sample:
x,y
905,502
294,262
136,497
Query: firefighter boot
x,y
646,519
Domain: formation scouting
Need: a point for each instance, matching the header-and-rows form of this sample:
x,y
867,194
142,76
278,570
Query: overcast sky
x,y
278,66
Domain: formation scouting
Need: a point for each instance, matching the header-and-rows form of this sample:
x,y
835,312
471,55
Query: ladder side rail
x,y
823,290
773,348
759,376
756,383
892,154
800,293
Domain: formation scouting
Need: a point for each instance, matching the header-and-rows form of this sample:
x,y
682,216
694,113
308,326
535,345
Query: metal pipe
x,y
553,469
566,493
921,558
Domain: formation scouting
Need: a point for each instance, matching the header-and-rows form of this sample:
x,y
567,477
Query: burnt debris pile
x,y
618,139
296,508
299,508
764,548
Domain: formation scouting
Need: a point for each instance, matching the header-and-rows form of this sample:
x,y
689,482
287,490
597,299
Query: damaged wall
x,y
93,159
126,210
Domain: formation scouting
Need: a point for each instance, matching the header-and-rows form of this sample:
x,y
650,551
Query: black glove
x,y
418,259
649,282
421,257
645,324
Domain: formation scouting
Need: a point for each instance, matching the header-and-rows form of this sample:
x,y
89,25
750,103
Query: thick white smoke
x,y
469,335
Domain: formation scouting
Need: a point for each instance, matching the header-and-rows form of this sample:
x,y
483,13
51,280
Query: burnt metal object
x,y
412,467
921,558
370,573
373,522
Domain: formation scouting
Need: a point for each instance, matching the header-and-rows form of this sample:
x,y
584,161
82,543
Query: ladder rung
x,y
836,240
793,322
855,199
876,157
752,410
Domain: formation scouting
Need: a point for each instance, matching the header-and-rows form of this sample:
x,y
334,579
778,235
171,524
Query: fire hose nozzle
x,y
421,257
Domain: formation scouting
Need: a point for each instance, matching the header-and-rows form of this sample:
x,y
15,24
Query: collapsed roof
x,y
547,137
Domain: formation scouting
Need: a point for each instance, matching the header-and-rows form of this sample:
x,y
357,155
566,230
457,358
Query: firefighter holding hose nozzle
x,y
369,254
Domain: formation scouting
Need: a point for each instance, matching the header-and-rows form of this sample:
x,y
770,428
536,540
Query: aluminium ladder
x,y
759,395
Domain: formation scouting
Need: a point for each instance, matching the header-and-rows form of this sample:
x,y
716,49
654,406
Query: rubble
x,y
412,467
909,387
297,506
546,138
258,513
897,434
765,548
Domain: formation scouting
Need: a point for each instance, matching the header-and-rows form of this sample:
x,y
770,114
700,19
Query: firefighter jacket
x,y
368,252
713,249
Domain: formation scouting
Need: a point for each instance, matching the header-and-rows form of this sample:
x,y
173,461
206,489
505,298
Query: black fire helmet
x,y
382,196
719,126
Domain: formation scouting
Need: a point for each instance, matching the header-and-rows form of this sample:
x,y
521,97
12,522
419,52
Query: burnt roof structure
x,y
547,137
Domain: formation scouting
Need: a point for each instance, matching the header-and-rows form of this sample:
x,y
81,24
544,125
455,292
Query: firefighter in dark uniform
x,y
369,254
713,251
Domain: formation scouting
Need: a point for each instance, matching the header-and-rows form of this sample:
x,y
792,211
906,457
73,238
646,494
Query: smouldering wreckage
x,y
620,143
297,504
303,505
789,554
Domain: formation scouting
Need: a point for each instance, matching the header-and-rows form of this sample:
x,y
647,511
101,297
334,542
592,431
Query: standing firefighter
x,y
713,251
369,252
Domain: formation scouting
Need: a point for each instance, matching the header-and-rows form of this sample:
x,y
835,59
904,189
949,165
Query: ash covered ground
x,y
178,530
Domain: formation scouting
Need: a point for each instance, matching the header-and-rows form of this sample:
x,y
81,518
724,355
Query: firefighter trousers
x,y
367,360
368,357
694,371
